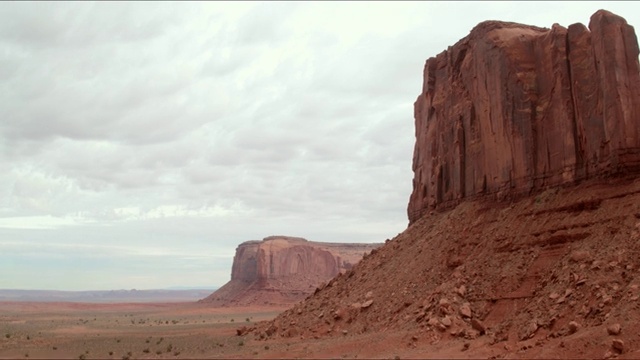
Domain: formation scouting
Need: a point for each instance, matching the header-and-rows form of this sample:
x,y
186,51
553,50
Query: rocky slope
x,y
541,277
514,109
283,270
536,269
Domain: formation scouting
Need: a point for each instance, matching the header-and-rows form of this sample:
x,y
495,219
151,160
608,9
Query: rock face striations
x,y
513,109
284,270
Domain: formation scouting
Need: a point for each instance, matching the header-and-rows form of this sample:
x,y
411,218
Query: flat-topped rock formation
x,y
284,270
513,109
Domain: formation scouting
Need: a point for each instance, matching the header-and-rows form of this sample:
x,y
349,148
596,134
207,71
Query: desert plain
x,y
67,330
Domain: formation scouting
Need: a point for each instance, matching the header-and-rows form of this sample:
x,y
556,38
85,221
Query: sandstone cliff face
x,y
512,109
283,270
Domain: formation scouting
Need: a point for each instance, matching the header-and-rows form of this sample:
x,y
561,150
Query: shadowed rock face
x,y
284,270
513,109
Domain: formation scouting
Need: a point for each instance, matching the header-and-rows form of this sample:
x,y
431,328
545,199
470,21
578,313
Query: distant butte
x,y
281,270
512,109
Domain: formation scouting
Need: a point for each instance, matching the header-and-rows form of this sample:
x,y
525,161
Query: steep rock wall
x,y
513,109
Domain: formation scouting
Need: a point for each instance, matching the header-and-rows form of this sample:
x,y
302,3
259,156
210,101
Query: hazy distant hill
x,y
108,296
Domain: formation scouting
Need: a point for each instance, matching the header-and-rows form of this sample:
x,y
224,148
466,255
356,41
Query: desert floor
x,y
134,330
40,330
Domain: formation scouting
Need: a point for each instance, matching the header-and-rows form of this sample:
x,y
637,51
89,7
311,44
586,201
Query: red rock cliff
x,y
513,109
284,270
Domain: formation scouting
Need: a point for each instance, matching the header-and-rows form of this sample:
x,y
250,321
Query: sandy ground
x,y
117,331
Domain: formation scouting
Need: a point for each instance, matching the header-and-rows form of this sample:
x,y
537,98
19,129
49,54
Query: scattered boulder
x,y
465,310
446,321
614,329
476,324
573,327
618,345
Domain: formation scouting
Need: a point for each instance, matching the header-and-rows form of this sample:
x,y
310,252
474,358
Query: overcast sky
x,y
140,143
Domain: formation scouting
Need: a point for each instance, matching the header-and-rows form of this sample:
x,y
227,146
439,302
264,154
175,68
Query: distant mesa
x,y
512,109
282,270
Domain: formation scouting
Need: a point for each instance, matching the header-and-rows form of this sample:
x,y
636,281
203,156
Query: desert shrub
x,y
158,352
110,353
146,351
241,343
176,353
55,348
82,356
169,348
7,335
266,347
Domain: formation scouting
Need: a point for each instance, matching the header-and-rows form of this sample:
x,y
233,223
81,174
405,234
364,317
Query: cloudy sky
x,y
140,143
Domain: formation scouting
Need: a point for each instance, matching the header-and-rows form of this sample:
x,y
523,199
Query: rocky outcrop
x,y
284,270
513,109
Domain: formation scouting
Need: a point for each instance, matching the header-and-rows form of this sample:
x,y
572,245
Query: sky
x,y
140,143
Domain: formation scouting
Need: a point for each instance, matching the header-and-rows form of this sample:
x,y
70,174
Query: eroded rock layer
x,y
513,109
284,270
